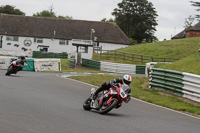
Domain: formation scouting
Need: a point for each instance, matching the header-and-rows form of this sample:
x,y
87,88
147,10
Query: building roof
x,y
57,28
196,27
179,35
182,34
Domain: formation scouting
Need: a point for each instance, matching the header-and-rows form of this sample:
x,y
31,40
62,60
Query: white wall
x,y
52,43
53,46
110,46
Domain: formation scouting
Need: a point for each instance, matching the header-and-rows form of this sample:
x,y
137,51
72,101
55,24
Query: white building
x,y
24,34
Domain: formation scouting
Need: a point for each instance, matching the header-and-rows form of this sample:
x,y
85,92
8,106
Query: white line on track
x,y
138,99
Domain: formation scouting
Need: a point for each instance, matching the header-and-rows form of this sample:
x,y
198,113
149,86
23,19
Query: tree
x,y
137,18
110,20
196,4
188,22
46,13
7,9
65,17
50,13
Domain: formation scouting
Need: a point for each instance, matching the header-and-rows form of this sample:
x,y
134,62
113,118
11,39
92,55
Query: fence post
x,y
115,54
151,58
132,57
142,58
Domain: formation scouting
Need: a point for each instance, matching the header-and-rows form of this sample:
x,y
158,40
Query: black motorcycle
x,y
14,67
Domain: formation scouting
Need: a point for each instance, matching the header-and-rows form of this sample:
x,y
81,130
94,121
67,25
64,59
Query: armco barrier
x,y
113,67
179,83
92,64
118,67
72,62
140,69
42,54
47,65
4,62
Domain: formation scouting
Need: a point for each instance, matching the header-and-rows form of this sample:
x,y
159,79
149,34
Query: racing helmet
x,y
22,56
127,79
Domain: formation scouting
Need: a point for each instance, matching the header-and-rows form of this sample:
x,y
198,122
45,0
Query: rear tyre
x,y
86,104
109,107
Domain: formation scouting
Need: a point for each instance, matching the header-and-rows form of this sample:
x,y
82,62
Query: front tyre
x,y
109,107
9,71
86,104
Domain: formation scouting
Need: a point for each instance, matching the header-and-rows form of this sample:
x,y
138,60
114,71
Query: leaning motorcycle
x,y
114,98
14,67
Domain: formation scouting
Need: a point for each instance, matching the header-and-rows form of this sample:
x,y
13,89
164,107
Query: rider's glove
x,y
128,99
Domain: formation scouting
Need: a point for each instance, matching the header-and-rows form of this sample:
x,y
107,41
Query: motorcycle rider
x,y
21,60
106,86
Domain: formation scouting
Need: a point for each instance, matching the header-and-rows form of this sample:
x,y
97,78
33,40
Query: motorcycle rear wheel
x,y
109,107
86,104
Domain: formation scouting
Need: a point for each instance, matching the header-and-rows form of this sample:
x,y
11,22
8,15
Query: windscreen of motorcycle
x,y
125,87
123,91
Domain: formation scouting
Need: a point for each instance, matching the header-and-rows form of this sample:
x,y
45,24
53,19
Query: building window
x,y
38,40
63,42
84,49
12,38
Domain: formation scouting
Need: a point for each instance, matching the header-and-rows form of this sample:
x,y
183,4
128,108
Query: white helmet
x,y
22,56
127,79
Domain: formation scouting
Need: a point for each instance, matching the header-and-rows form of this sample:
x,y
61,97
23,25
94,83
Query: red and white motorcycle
x,y
14,67
114,98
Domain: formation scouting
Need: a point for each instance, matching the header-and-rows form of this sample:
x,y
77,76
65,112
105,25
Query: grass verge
x,y
140,90
190,64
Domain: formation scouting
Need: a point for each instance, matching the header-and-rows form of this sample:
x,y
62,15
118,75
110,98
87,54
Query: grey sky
x,y
172,13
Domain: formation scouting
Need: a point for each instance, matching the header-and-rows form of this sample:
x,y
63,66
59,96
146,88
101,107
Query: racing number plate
x,y
122,93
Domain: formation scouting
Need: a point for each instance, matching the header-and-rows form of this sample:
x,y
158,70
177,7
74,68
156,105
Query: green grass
x,y
178,48
140,90
190,64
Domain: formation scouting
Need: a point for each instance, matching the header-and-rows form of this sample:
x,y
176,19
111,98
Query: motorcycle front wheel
x,y
106,109
9,71
86,104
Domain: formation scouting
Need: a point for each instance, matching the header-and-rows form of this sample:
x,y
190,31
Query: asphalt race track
x,y
34,102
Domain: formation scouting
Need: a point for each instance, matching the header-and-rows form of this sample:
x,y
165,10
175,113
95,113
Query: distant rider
x,y
21,60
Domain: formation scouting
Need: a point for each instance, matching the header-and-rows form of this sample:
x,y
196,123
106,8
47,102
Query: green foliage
x,y
45,13
188,22
50,13
132,42
196,4
110,20
8,9
65,17
137,18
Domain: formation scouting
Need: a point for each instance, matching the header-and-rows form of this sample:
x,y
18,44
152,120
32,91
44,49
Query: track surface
x,y
33,102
